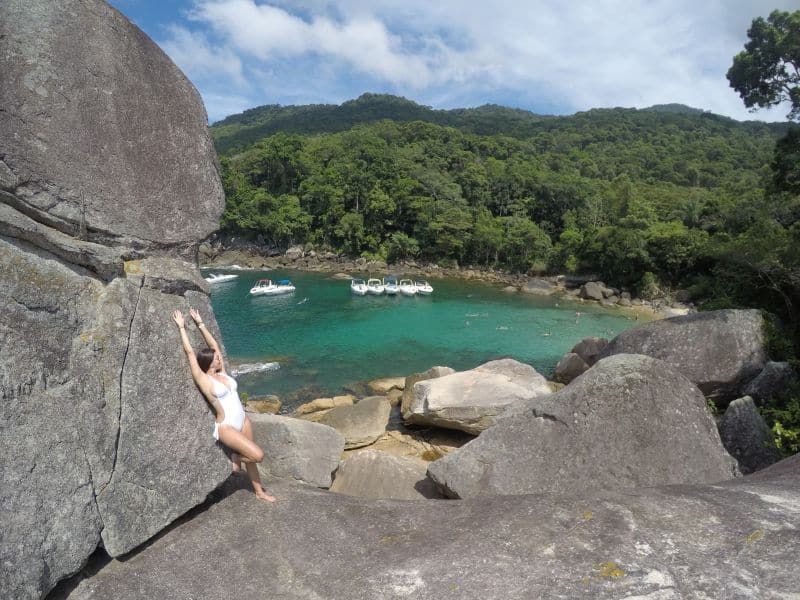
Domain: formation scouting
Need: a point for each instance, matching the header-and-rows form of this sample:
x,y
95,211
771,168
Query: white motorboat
x,y
407,287
375,286
390,286
219,278
358,287
266,287
423,287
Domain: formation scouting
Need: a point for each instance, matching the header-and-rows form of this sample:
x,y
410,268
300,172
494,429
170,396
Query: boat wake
x,y
247,368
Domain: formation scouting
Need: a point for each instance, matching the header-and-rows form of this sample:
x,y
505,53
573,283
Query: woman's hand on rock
x,y
177,316
195,315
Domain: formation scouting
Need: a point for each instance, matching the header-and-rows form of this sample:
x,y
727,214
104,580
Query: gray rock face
x,y
592,290
539,286
470,400
630,421
657,543
107,184
773,380
91,109
362,423
408,389
298,449
375,474
719,351
589,349
569,367
746,436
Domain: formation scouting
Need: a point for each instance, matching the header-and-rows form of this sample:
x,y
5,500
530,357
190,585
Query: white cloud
x,y
193,53
566,55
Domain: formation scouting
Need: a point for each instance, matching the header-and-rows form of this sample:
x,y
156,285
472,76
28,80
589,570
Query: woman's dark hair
x,y
204,359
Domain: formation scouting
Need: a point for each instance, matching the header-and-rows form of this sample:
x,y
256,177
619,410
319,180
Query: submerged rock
x,y
630,421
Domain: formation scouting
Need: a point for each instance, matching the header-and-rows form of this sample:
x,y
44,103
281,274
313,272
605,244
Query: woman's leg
x,y
250,453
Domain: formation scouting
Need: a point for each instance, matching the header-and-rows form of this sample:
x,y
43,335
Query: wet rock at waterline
x,y
362,423
736,539
108,182
630,421
470,400
720,351
589,349
297,449
569,367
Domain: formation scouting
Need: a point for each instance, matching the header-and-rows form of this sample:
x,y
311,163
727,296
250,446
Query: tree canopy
x,y
767,72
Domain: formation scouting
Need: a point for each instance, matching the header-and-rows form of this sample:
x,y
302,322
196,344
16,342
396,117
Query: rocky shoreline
x,y
217,254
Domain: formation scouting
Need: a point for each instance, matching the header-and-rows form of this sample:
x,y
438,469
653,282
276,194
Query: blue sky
x,y
547,56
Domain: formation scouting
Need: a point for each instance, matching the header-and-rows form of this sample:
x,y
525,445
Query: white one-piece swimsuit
x,y
228,398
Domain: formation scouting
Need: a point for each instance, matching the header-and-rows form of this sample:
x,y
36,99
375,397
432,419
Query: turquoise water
x,y
322,337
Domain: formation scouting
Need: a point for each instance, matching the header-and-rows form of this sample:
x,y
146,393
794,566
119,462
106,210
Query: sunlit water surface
x,y
322,338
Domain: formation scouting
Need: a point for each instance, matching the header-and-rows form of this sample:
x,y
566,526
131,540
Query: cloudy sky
x,y
547,56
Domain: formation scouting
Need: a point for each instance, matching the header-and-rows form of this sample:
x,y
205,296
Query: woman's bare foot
x,y
265,496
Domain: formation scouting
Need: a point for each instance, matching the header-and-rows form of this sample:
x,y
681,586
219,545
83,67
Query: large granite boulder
x,y
569,367
774,380
746,436
375,474
470,400
408,388
720,351
589,349
107,184
305,451
630,421
736,539
362,423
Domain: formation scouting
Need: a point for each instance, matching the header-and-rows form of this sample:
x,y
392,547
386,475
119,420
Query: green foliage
x,y
673,192
767,72
648,286
777,344
783,418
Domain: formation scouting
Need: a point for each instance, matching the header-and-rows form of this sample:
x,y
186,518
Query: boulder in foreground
x,y
630,421
665,543
297,449
470,400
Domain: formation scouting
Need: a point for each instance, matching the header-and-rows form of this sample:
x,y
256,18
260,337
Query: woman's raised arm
x,y
177,316
212,343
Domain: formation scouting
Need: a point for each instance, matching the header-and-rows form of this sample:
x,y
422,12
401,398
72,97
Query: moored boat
x,y
358,287
407,287
266,287
390,286
375,286
423,287
220,277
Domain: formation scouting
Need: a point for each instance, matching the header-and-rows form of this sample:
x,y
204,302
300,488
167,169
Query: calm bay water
x,y
322,335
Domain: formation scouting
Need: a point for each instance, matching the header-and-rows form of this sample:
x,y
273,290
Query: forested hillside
x,y
639,197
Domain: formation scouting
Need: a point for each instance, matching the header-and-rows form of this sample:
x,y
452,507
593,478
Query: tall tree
x,y
767,72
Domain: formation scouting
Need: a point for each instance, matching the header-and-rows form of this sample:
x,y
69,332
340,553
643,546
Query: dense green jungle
x,y
652,200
